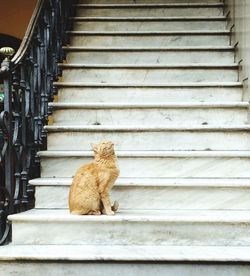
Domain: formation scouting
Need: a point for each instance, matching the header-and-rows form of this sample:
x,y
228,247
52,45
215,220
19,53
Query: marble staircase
x,y
161,80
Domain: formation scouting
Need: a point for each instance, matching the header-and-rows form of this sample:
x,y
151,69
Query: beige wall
x,y
15,16
240,18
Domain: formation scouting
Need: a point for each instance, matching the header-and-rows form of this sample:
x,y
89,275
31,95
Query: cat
x,y
89,191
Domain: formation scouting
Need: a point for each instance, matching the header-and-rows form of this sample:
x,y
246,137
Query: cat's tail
x,y
115,207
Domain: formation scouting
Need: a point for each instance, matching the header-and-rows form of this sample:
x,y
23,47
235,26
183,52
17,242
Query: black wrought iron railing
x,y
28,87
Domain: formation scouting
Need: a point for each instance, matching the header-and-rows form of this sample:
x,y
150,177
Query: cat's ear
x,y
94,147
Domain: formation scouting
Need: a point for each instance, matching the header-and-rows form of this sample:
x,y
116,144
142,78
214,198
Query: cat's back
x,y
84,187
84,174
87,169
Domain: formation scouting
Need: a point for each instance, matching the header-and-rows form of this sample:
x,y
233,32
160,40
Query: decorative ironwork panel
x,y
28,87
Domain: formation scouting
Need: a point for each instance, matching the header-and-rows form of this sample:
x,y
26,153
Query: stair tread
x,y
150,154
147,6
96,128
145,49
155,182
124,253
149,18
148,66
57,215
149,105
138,33
167,5
166,85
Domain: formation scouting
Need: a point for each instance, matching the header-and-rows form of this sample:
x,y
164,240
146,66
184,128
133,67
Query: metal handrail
x,y
29,33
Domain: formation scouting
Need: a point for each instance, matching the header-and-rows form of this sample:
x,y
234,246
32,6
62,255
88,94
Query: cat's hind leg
x,y
76,213
91,212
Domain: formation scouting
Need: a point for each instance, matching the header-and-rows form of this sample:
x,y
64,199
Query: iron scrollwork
x,y
28,87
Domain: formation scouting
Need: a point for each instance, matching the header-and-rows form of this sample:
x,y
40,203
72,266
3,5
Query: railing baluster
x,y
28,87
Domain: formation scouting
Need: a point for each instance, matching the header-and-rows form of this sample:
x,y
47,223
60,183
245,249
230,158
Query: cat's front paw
x,y
110,213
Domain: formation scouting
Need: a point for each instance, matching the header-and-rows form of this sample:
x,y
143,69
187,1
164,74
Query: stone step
x,y
128,260
149,114
167,193
149,73
148,1
116,93
138,227
154,138
151,10
181,55
100,253
148,23
100,260
149,39
171,164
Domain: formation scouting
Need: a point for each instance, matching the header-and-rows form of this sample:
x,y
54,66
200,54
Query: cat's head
x,y
104,149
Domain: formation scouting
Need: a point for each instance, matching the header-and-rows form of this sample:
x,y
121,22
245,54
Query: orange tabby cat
x,y
89,192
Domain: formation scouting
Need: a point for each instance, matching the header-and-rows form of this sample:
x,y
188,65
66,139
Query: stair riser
x,y
164,57
148,12
149,25
131,233
145,76
151,116
149,40
148,95
164,140
155,167
140,197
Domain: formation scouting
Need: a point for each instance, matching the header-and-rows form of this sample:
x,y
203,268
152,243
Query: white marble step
x,y
155,74
80,92
148,23
125,253
149,39
147,1
102,260
154,10
139,227
118,114
181,55
152,138
156,193
171,164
